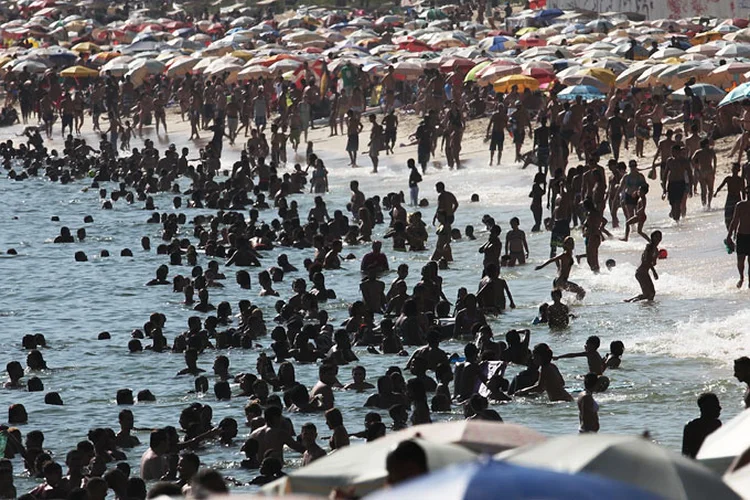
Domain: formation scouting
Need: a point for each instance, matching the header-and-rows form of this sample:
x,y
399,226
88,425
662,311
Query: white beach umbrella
x,y
630,459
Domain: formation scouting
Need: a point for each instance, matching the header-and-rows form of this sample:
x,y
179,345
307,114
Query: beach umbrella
x,y
526,31
542,75
600,25
531,40
389,20
242,21
471,76
730,440
30,66
523,82
677,75
737,94
704,91
79,72
578,80
548,14
497,70
602,74
616,67
410,69
480,436
497,43
202,64
727,74
707,36
253,72
666,53
456,64
630,75
639,51
181,65
360,468
85,47
630,459
490,479
649,77
708,49
285,65
734,50
433,14
585,92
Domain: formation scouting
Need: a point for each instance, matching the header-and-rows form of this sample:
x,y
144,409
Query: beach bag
x,y
604,148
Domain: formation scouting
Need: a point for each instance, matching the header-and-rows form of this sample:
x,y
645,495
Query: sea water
x,y
675,348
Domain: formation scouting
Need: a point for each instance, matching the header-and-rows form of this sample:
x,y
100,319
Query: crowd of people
x,y
389,318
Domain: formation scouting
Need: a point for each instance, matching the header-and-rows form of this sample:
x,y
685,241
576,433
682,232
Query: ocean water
x,y
677,347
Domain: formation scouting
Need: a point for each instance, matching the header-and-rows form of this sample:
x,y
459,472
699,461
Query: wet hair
x,y
616,347
590,380
407,451
594,341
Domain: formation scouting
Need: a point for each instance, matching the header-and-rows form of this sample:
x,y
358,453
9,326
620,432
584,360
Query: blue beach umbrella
x,y
482,480
548,13
739,93
587,93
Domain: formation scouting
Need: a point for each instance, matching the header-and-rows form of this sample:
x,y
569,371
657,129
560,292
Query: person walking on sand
x,y
376,139
353,128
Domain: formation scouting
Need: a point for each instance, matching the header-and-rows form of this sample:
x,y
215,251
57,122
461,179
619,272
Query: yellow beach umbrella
x,y
79,72
523,82
86,47
705,37
604,75
523,31
243,54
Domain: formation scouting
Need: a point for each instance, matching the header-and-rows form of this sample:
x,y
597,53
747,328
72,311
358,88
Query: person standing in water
x,y
740,226
588,408
564,263
735,187
648,263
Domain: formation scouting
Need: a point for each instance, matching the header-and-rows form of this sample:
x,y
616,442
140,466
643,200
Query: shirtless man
x,y
663,151
446,203
376,140
496,132
740,226
673,183
353,128
388,82
735,187
67,113
550,379
704,163
564,262
273,436
561,216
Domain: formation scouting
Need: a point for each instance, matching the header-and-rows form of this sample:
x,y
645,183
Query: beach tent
x,y
630,459
360,467
485,480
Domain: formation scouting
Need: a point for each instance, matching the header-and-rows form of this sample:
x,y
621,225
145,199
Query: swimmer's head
x,y
616,348
610,263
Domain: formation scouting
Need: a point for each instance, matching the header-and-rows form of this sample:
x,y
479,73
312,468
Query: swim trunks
x,y
352,143
675,192
743,244
496,140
